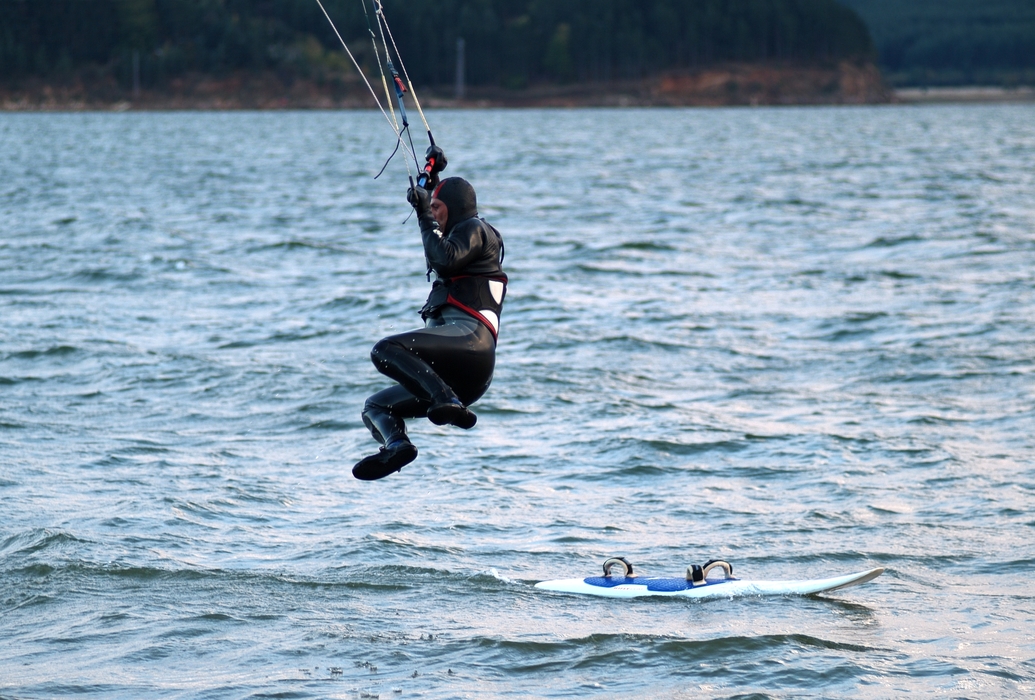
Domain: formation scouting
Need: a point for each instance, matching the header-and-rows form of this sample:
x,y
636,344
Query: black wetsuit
x,y
451,359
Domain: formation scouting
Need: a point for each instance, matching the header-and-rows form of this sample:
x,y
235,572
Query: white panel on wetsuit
x,y
496,288
492,318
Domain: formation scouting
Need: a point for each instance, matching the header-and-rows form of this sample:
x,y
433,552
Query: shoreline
x,y
724,86
733,84
965,94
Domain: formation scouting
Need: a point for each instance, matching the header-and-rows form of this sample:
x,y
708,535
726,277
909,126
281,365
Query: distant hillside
x,y
953,42
518,42
509,43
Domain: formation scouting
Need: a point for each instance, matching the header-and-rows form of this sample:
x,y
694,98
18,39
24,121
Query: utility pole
x,y
460,61
136,73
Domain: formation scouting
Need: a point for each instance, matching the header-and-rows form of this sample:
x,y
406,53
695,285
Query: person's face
x,y
440,212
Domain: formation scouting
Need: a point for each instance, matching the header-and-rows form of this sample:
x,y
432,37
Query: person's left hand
x,y
439,156
420,199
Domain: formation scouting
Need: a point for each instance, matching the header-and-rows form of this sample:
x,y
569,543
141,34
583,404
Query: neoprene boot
x,y
389,459
397,450
452,412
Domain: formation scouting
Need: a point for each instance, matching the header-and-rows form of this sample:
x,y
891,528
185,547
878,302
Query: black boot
x,y
390,459
452,412
388,429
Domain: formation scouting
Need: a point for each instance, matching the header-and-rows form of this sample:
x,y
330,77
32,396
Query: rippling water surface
x,y
799,339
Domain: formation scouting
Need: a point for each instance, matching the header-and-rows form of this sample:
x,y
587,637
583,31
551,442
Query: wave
x,y
107,275
55,351
36,541
605,644
300,245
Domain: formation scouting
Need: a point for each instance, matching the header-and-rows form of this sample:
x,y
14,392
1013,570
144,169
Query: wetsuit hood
x,y
458,196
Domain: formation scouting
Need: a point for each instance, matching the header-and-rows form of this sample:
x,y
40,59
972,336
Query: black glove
x,y
435,159
436,153
420,199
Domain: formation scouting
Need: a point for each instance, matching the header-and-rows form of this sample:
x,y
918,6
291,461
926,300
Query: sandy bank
x,y
733,84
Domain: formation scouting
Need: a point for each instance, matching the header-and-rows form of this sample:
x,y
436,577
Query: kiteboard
x,y
700,582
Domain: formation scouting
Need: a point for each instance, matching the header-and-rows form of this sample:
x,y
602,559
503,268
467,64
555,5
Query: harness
x,y
480,296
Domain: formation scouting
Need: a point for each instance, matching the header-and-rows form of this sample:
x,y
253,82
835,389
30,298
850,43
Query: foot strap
x,y
697,574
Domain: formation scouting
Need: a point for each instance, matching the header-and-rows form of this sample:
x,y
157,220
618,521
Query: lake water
x,y
801,339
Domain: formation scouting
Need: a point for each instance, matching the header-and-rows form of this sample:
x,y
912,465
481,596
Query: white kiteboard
x,y
698,583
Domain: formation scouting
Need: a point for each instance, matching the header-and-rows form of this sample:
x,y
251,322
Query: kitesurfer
x,y
447,365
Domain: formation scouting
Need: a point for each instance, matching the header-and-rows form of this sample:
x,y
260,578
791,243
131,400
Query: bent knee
x,y
377,405
383,349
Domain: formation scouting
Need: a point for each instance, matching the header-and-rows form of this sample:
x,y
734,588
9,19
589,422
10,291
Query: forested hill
x,y
953,42
509,43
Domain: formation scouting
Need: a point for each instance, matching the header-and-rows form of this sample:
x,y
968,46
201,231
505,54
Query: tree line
x,y
511,43
952,41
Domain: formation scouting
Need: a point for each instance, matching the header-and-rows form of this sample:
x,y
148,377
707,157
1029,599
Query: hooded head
x,y
458,196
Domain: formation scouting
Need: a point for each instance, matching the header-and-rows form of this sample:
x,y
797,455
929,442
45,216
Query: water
x,y
799,339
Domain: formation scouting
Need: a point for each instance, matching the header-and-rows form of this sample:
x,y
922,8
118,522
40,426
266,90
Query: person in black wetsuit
x,y
446,366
